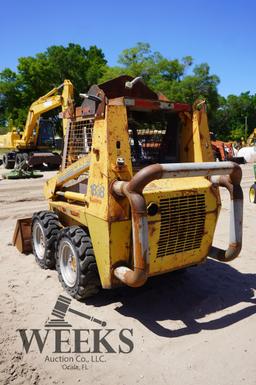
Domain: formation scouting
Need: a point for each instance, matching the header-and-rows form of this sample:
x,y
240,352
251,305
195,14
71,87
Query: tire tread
x,y
51,225
88,282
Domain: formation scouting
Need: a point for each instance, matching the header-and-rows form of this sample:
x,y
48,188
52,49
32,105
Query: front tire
x,y
45,229
76,264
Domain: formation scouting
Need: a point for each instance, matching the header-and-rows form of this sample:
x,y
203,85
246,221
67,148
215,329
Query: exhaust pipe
x,y
133,191
232,184
138,276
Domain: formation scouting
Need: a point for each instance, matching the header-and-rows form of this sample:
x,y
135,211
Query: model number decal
x,y
97,190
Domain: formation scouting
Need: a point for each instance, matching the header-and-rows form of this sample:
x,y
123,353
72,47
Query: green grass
x,y
2,151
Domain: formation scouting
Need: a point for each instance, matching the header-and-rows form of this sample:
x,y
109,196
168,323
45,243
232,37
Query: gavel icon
x,y
60,310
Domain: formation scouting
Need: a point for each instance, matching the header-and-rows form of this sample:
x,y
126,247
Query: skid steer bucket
x,y
22,235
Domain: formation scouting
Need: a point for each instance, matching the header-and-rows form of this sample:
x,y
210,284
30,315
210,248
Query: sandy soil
x,y
191,328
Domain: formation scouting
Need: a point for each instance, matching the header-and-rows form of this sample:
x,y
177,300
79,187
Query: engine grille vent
x,y
182,224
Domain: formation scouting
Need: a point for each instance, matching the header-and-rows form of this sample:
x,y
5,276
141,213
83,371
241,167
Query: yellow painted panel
x,y
120,243
97,192
186,138
111,245
99,233
69,212
183,188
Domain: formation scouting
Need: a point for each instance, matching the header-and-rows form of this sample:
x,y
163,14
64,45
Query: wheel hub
x,y
252,195
68,262
39,239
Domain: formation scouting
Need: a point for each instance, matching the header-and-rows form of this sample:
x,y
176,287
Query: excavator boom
x,y
44,104
34,143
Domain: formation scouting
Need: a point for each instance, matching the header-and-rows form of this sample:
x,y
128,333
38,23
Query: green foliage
x,y
37,75
10,96
156,69
3,130
229,119
168,76
180,80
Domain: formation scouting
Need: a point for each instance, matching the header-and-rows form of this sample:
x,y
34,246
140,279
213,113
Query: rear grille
x,y
182,224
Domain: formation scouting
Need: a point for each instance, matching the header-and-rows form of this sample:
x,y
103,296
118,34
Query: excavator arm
x,y
251,140
46,103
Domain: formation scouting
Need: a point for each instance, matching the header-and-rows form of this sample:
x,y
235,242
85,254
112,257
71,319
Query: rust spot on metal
x,y
215,211
192,191
145,176
151,229
133,191
95,200
232,183
75,213
22,235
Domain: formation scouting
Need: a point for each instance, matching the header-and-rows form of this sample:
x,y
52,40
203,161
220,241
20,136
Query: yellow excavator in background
x,y
251,140
34,145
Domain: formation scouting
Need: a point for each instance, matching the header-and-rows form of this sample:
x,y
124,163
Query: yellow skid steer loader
x,y
138,192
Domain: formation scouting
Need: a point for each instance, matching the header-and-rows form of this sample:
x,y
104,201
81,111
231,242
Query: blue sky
x,y
221,33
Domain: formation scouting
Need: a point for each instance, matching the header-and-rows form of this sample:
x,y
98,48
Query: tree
x,y
142,61
10,96
170,77
229,119
37,75
179,79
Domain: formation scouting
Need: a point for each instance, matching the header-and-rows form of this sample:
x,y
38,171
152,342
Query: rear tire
x,y
76,264
45,229
20,157
18,160
8,163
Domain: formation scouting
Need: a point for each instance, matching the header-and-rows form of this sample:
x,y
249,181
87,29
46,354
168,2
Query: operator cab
x,y
153,137
46,133
155,125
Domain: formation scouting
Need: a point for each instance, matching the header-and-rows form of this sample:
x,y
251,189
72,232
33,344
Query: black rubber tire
x,y
20,157
51,228
8,164
252,193
180,271
18,160
87,281
57,164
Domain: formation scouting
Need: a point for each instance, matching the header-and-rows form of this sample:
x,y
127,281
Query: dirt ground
x,y
192,328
